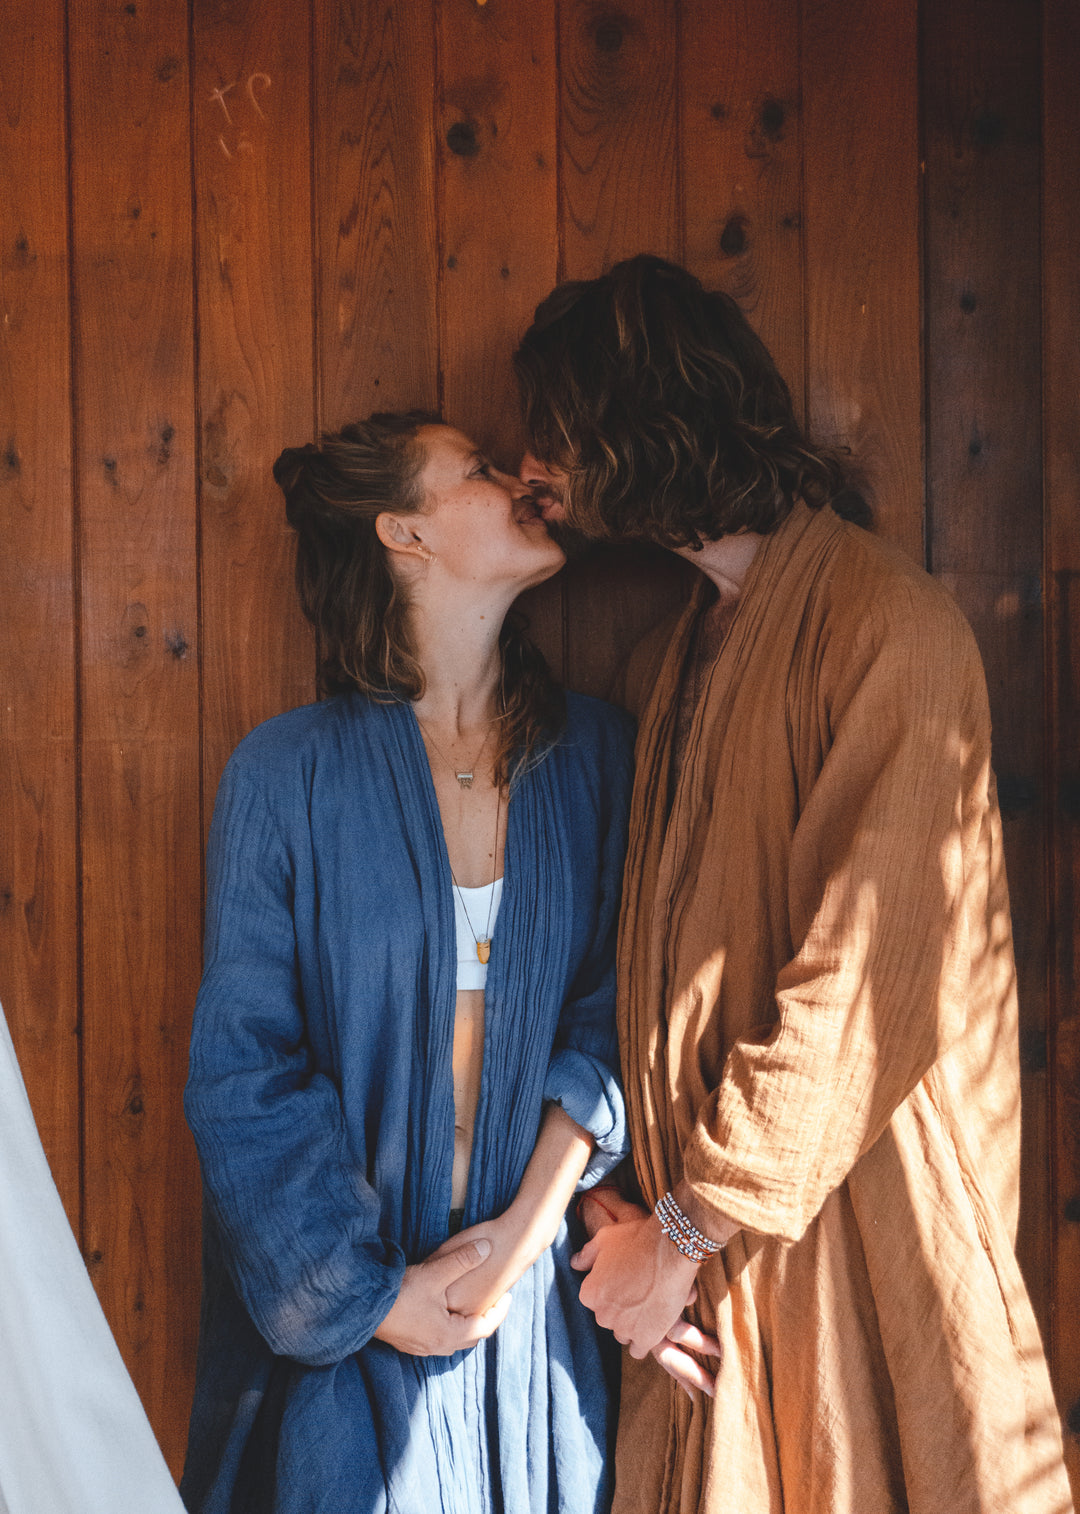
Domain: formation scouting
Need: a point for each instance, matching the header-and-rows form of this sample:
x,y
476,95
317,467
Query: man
x,y
818,1011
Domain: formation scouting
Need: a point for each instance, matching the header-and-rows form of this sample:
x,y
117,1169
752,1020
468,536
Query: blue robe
x,y
321,1100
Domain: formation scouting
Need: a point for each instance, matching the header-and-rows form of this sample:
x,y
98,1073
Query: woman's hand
x,y
531,1222
608,1207
512,1253
422,1322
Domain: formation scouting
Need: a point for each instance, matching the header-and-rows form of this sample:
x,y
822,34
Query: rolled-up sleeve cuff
x,y
590,1094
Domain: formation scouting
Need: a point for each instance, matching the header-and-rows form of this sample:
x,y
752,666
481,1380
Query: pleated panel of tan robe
x,y
819,1031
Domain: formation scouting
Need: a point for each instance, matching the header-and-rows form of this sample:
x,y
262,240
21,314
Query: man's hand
x,y
421,1323
672,1351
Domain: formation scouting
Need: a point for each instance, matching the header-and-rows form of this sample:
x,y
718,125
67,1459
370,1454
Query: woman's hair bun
x,y
292,464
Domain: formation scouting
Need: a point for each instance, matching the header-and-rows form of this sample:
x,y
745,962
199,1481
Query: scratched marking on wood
x,y
236,142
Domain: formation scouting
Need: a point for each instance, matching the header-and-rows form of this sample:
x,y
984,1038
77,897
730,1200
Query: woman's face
x,y
482,526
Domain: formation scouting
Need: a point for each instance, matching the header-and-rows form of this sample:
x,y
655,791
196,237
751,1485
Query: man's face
x,y
548,485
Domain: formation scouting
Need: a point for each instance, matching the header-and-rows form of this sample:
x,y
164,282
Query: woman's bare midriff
x,y
468,1066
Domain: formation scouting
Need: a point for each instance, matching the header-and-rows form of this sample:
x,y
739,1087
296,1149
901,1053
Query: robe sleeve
x,y
879,876
583,1073
298,1222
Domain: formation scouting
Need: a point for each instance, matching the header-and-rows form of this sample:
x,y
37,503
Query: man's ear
x,y
398,536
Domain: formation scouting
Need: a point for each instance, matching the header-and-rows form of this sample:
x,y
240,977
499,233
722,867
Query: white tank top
x,y
475,912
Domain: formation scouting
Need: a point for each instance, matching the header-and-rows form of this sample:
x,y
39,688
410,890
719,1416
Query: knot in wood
x,y
773,116
733,238
461,139
609,34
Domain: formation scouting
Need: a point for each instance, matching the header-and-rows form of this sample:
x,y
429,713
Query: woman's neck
x,y
457,646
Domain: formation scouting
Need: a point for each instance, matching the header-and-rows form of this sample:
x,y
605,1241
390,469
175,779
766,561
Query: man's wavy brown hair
x,y
666,409
334,492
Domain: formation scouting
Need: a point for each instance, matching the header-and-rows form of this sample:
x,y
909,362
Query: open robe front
x,y
321,1099
820,1032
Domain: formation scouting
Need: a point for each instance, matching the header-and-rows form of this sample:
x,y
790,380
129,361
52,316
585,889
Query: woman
x,y
405,1023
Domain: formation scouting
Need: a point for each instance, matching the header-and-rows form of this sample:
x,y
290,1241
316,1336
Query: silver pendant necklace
x,y
465,779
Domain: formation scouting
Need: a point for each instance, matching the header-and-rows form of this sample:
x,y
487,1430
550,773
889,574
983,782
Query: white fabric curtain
x,y
73,1435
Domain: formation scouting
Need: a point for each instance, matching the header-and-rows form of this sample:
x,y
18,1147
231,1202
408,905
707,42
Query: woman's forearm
x,y
529,1225
559,1158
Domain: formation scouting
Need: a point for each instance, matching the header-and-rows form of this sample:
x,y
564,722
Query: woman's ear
x,y
398,536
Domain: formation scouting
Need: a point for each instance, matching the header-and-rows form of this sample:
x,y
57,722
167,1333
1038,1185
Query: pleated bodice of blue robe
x,y
321,1101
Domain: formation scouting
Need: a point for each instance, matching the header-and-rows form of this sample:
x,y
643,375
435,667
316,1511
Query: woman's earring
x,y
424,552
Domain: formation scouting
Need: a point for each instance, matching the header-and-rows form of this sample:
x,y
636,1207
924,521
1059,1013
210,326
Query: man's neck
x,y
726,561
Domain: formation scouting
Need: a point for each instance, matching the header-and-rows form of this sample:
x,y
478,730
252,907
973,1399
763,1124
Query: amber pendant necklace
x,y
483,943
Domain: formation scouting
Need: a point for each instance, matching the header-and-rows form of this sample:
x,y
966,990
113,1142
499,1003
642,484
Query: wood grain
x,y
38,867
135,438
619,132
496,137
496,133
1061,461
616,595
255,378
980,66
861,168
619,173
375,208
742,166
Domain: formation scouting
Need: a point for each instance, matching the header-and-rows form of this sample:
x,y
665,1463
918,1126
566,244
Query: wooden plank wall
x,y
225,225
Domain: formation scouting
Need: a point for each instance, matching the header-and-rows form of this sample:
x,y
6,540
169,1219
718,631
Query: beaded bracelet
x,y
682,1232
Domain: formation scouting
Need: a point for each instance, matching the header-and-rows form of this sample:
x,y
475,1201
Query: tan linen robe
x,y
819,1027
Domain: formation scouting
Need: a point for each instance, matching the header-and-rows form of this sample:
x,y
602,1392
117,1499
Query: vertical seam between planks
x,y
680,175
314,202
313,207
76,638
560,276
560,227
924,287
1051,737
196,410
437,202
804,219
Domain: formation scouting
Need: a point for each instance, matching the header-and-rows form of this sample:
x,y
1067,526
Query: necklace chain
x,y
465,779
483,943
